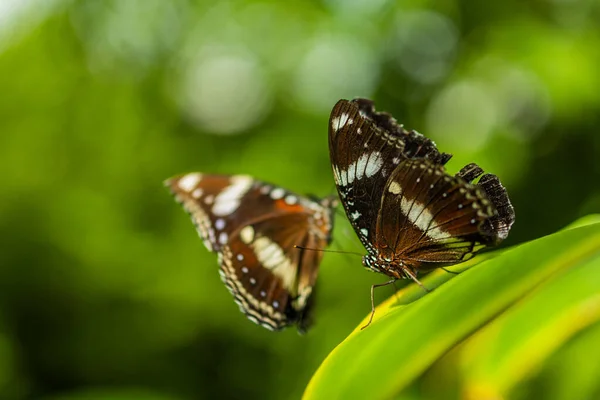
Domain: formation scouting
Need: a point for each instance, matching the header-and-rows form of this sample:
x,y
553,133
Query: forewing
x,y
429,218
253,227
220,205
365,147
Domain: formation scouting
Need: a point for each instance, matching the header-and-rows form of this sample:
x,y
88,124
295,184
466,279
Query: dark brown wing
x,y
429,218
271,280
365,147
500,224
220,205
253,227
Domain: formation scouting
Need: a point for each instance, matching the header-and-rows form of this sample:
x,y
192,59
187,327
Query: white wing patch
x,y
374,164
367,165
395,188
417,214
189,181
229,199
271,255
197,193
338,123
247,234
277,193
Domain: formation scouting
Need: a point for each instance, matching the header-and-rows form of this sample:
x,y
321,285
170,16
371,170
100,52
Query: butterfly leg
x,y
413,276
390,282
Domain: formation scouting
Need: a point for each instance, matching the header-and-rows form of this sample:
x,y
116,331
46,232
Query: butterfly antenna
x,y
390,282
346,232
328,251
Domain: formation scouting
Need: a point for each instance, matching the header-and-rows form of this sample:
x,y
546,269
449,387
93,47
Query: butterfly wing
x,y
221,204
365,147
271,279
499,225
253,227
429,218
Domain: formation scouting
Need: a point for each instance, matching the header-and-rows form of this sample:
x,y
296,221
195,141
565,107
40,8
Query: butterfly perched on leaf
x,y
256,228
409,213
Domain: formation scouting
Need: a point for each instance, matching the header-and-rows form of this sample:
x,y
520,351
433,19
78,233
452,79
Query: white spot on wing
x,y
291,199
265,189
335,124
247,234
355,215
395,188
220,223
338,123
222,238
277,193
197,193
189,181
229,199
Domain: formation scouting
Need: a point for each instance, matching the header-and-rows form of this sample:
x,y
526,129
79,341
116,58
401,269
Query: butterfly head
x,y
389,265
370,262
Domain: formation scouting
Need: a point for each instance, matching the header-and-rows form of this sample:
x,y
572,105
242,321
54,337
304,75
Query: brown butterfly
x,y
256,230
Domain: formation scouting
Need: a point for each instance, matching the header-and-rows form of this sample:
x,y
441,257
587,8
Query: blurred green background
x,y
105,289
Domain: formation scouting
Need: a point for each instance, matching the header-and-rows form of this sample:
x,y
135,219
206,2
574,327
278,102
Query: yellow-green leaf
x,y
403,341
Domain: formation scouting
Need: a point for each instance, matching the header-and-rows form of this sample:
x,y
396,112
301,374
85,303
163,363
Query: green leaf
x,y
578,361
515,345
405,339
112,393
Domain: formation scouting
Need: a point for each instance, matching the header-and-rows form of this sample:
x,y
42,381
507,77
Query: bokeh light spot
x,y
424,43
333,68
225,91
463,113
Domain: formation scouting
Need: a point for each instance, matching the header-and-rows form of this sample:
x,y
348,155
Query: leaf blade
x,y
421,332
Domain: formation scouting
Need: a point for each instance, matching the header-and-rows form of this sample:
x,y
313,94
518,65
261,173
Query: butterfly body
x,y
407,211
254,228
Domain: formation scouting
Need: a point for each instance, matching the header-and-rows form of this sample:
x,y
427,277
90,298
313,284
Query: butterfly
x,y
408,212
260,233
